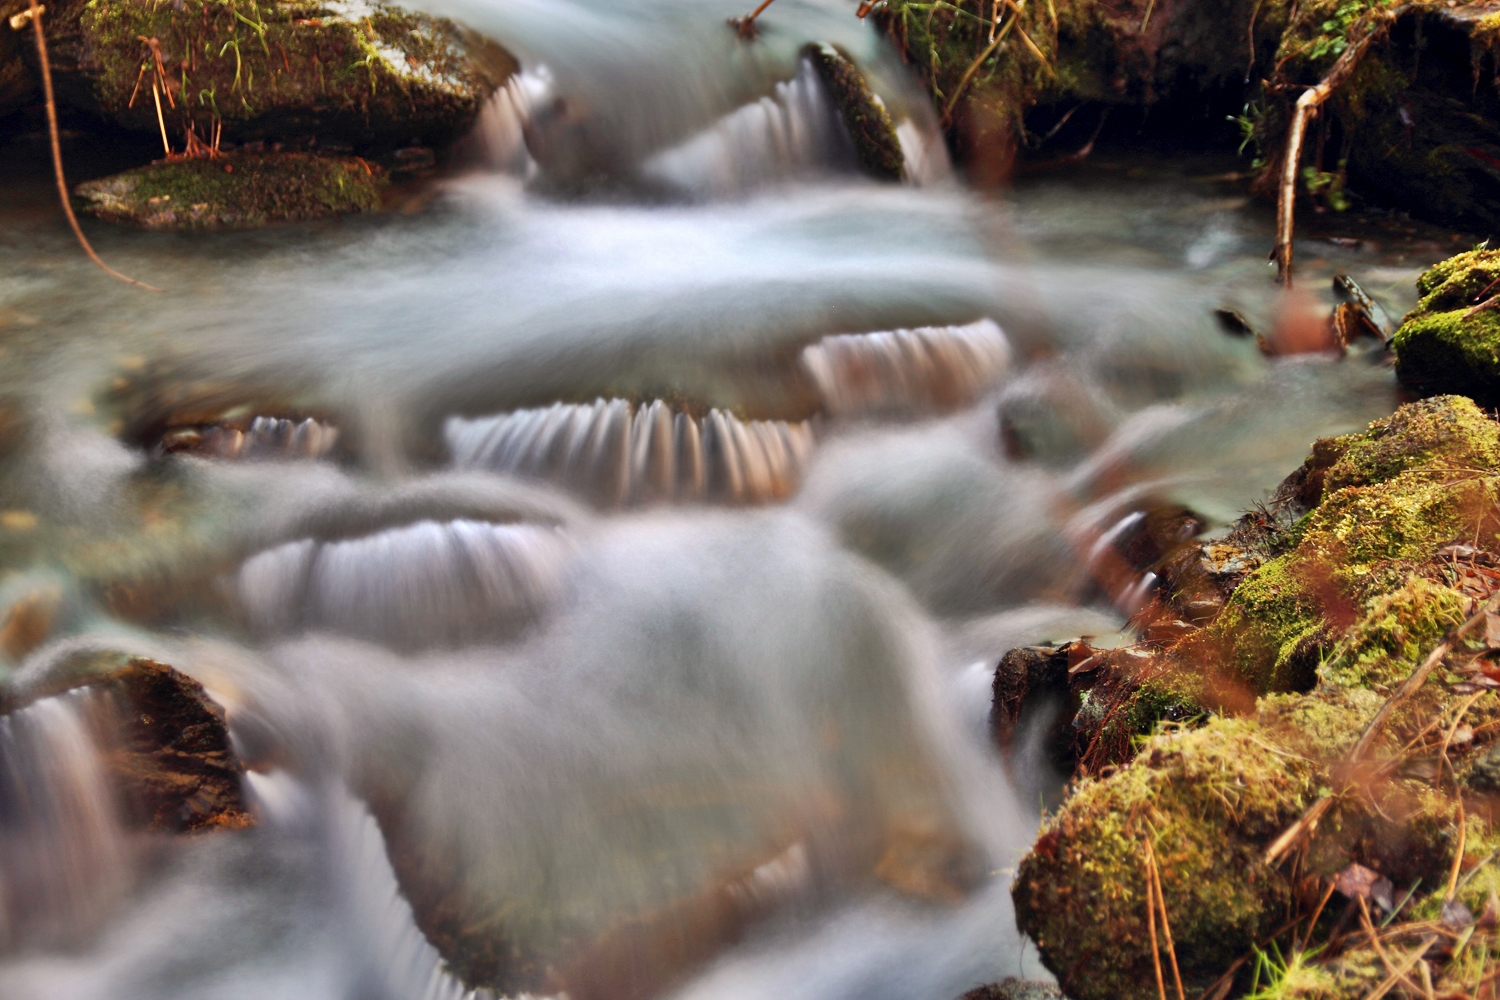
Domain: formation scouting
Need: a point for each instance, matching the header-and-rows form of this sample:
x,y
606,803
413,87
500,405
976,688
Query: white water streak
x,y
63,856
931,367
623,455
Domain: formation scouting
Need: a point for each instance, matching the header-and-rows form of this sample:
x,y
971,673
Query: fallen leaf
x,y
1456,915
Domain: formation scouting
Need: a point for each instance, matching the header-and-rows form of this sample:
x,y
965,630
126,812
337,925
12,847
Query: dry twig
x,y
1307,106
57,164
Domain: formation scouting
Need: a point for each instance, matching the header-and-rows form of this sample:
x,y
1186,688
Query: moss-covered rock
x,y
1396,548
863,113
236,192
370,76
1448,343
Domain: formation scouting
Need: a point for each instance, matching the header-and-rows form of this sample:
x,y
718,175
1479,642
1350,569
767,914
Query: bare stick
x,y
1161,984
57,164
1307,106
1166,926
1409,687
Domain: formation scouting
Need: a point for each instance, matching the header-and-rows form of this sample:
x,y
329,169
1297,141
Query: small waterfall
x,y
265,438
795,130
621,454
421,583
63,857
499,136
931,367
925,153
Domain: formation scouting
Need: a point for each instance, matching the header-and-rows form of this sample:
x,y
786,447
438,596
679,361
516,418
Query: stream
x,y
632,517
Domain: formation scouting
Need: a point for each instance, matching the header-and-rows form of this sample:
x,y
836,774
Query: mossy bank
x,y
1397,548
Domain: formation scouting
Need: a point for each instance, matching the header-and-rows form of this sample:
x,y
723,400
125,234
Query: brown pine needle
x,y
156,96
1458,855
1166,925
1161,984
57,163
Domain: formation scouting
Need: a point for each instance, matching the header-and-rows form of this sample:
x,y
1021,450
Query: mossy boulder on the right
x,y
1451,341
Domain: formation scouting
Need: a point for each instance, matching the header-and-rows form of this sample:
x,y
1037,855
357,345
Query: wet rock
x,y
1052,416
374,76
171,759
16,83
1031,679
863,112
239,191
1451,341
1015,989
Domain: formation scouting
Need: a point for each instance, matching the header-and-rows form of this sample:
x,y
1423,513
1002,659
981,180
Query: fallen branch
x,y
1409,687
57,164
745,26
1307,106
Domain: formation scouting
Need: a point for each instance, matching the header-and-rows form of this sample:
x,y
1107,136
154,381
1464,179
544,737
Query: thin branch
x,y
1307,106
57,163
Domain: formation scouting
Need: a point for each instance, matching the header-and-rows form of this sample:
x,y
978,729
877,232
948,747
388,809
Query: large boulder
x,y
367,77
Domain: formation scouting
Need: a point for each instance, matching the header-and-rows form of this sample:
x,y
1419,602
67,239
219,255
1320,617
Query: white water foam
x,y
421,583
64,861
931,367
620,454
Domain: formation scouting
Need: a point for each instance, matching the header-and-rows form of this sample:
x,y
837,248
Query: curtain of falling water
x,y
617,552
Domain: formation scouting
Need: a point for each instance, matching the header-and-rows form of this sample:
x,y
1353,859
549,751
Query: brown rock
x,y
171,761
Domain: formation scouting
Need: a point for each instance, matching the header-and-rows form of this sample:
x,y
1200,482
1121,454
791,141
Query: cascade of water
x,y
930,367
421,583
622,454
499,136
265,438
63,856
793,131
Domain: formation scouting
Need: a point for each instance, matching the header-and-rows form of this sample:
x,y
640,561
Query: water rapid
x,y
607,563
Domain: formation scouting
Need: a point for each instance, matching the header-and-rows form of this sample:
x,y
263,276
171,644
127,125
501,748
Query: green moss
x,y
280,69
236,191
1445,344
1271,630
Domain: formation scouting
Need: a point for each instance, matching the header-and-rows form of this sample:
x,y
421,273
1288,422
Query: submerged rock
x,y
1012,988
370,76
169,757
864,114
240,191
1369,555
1451,341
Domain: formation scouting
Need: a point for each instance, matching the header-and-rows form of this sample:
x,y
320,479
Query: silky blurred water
x,y
595,704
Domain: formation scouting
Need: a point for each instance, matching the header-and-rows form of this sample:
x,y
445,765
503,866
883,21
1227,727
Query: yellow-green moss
x,y
1208,800
1445,432
236,191
876,144
1395,634
1270,631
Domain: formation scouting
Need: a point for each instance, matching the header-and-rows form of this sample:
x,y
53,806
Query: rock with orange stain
x,y
170,755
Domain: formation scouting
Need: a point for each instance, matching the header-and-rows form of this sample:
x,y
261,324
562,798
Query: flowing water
x,y
624,539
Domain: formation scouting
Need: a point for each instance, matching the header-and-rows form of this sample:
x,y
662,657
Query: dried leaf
x,y
1492,630
1358,882
1456,915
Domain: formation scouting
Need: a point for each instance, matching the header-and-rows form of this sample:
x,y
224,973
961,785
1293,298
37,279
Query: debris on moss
x,y
864,114
1451,341
236,192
